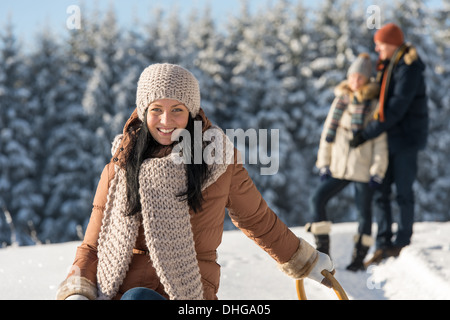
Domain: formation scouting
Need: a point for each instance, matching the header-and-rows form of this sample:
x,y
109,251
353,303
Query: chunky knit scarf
x,y
166,222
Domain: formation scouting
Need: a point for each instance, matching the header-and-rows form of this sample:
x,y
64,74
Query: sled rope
x,y
340,292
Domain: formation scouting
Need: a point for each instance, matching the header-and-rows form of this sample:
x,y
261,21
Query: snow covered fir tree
x,y
62,103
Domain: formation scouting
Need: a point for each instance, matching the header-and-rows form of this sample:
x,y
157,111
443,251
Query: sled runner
x,y
340,292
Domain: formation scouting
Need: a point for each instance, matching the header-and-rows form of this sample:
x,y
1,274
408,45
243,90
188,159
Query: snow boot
x,y
323,243
362,245
321,231
382,254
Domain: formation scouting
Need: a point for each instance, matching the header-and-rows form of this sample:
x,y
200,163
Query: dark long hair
x,y
145,147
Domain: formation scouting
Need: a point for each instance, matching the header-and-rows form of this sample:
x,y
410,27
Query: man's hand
x,y
358,139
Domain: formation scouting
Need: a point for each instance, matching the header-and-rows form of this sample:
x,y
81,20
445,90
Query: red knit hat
x,y
390,34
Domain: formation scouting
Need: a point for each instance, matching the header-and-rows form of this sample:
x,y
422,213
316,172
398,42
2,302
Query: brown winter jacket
x,y
233,190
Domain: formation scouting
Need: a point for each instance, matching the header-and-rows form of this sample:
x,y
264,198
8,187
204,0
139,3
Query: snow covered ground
x,y
421,272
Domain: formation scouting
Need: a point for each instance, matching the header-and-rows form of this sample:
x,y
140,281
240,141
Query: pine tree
x,y
151,39
64,143
298,130
99,99
205,57
19,144
435,48
171,42
271,110
233,66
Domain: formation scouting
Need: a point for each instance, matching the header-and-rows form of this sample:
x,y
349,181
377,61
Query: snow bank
x,y
248,273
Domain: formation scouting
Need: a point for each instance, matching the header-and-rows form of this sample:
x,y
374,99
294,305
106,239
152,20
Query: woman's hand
x,y
323,263
78,297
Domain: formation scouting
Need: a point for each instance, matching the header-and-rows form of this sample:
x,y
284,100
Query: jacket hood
x,y
411,56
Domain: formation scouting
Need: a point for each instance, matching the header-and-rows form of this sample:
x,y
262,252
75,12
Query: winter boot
x,y
321,231
382,254
323,243
362,245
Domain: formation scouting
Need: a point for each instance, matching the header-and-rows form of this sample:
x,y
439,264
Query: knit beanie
x,y
390,34
167,81
362,65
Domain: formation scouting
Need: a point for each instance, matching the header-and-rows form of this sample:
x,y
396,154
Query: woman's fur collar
x,y
367,92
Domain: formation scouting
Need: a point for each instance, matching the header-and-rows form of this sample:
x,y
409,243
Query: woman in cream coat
x,y
339,164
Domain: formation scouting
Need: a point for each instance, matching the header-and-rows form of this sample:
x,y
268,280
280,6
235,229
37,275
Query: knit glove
x,y
75,287
375,182
323,263
324,174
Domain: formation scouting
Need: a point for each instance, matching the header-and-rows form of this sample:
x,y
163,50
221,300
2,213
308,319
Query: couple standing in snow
x,y
372,137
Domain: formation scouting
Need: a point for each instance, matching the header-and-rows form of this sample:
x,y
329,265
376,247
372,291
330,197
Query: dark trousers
x,y
363,200
402,172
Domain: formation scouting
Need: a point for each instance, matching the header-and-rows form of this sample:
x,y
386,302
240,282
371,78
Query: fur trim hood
x,y
367,92
411,55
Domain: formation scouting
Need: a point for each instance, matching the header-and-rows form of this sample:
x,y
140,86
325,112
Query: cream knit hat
x,y
167,81
362,65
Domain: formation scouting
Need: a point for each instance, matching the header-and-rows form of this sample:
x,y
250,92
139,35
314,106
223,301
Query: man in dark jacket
x,y
403,114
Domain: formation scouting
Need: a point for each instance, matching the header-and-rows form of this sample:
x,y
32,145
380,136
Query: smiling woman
x,y
157,224
164,117
168,98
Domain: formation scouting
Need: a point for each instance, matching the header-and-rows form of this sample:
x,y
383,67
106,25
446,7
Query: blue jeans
x,y
142,294
363,200
402,171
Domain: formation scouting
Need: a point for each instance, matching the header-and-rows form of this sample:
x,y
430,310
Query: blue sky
x,y
29,16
